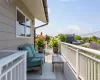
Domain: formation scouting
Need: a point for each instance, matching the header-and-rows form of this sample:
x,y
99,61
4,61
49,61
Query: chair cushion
x,y
35,62
33,50
29,51
37,54
41,56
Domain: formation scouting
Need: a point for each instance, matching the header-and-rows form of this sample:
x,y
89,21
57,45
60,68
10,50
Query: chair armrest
x,y
38,57
30,58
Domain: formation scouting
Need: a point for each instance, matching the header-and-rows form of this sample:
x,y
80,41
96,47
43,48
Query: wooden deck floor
x,y
58,74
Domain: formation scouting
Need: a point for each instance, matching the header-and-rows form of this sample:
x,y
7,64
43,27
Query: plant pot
x,y
55,49
40,50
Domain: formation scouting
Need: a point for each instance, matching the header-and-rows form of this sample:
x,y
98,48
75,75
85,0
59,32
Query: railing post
x,y
77,63
61,48
66,51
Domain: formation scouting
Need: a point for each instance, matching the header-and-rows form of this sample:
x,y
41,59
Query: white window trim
x,y
25,25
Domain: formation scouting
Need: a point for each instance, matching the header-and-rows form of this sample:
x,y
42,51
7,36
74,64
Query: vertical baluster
x,y
18,71
86,68
98,71
89,69
15,73
77,63
6,76
21,70
11,75
25,65
0,72
94,70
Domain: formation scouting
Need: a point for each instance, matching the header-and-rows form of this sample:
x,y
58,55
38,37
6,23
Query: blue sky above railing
x,y
72,16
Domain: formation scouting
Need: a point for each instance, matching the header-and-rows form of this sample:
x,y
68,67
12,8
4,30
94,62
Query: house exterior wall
x,y
8,39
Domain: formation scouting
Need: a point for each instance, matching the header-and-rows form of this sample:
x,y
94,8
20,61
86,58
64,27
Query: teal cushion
x,y
33,50
37,54
34,62
41,56
29,51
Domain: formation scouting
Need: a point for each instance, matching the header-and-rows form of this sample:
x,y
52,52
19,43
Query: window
x,y
23,25
28,27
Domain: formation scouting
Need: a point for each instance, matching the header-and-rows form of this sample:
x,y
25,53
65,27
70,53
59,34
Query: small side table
x,y
57,59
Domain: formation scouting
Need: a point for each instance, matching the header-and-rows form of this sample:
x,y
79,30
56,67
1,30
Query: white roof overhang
x,y
36,7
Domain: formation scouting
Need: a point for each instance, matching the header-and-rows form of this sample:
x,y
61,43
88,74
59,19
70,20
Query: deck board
x,y
59,74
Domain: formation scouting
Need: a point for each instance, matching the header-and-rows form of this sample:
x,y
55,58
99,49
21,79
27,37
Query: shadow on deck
x,y
47,73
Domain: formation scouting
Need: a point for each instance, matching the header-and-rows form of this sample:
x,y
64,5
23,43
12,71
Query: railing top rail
x,y
10,58
96,52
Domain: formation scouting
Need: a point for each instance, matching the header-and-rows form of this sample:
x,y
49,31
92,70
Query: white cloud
x,y
53,31
70,29
73,29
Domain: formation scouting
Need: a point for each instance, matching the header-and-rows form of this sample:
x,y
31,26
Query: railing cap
x,y
11,57
97,52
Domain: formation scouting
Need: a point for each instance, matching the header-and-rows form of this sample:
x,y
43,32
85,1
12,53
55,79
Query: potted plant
x,y
40,43
54,43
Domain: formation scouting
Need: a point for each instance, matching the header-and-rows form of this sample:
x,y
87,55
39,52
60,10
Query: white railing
x,y
84,62
12,66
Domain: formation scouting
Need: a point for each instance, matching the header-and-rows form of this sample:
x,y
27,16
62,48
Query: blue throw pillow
x,y
29,51
32,49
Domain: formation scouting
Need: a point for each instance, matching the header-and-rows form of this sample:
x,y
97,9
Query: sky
x,y
72,16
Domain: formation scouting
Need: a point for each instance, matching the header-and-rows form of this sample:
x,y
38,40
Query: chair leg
x,y
41,67
44,60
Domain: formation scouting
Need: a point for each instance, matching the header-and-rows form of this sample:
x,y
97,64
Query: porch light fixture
x,y
9,1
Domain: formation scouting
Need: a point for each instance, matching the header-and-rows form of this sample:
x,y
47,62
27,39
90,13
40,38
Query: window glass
x,y
23,25
28,27
20,24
